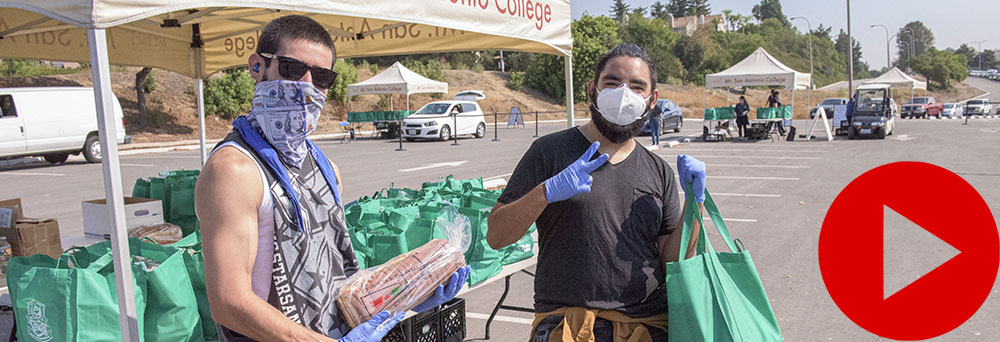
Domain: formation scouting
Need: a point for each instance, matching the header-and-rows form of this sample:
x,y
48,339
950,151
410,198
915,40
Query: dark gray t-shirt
x,y
598,250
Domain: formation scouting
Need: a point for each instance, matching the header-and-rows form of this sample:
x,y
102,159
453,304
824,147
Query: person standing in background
x,y
742,108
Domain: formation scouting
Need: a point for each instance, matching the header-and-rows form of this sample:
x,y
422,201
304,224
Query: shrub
x,y
346,74
516,80
478,67
229,96
149,84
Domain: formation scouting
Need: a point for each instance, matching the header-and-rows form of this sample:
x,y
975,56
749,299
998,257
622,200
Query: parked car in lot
x,y
669,115
828,105
978,107
874,112
53,122
436,120
922,107
952,109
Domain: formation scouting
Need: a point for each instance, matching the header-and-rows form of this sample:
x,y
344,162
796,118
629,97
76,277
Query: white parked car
x,y
952,110
437,120
978,107
54,123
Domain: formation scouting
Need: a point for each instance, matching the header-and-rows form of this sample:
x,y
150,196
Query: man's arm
x,y
227,195
509,222
670,245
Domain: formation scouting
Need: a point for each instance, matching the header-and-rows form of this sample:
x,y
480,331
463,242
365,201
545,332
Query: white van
x,y
53,122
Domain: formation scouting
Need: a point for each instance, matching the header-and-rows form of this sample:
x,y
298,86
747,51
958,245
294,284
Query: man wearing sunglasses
x,y
276,246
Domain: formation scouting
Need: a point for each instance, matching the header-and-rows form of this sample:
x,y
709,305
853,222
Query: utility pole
x,y
979,45
809,25
850,53
887,64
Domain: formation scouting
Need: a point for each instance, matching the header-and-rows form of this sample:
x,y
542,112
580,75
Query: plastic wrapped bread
x,y
399,284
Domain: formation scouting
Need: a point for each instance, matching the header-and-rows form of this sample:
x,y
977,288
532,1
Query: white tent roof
x,y
758,69
897,78
397,79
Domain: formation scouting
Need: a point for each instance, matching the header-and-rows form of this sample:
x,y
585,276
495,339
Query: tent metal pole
x,y
113,192
569,90
200,90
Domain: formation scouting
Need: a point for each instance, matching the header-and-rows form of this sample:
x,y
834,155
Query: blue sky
x,y
950,20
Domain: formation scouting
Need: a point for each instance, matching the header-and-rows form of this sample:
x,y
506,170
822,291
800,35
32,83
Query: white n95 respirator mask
x,y
621,106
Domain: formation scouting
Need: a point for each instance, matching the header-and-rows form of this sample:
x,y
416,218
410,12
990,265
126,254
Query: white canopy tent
x,y
758,69
896,78
396,79
199,37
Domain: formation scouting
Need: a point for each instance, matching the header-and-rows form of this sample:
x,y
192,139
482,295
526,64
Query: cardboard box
x,y
10,211
138,212
35,236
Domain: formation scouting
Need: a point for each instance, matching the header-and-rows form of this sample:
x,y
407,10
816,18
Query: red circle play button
x,y
941,203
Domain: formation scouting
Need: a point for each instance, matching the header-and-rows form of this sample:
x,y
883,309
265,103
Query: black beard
x,y
615,133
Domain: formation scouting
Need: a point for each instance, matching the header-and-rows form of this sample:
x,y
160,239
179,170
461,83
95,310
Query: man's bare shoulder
x,y
231,170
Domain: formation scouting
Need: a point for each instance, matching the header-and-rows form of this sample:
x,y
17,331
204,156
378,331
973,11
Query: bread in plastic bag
x,y
399,284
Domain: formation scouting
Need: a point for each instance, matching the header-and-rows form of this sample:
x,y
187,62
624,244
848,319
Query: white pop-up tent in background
x,y
199,37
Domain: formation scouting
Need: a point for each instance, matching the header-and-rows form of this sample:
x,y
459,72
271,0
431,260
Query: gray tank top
x,y
308,270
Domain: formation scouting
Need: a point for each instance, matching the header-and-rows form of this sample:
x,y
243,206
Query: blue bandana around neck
x,y
274,162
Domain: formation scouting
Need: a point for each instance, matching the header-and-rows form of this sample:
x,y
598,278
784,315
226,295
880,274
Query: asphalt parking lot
x,y
774,196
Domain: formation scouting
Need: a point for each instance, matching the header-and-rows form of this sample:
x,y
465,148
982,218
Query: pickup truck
x,y
922,107
978,107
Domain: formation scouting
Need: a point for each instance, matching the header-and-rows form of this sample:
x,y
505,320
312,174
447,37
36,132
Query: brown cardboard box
x,y
29,236
10,211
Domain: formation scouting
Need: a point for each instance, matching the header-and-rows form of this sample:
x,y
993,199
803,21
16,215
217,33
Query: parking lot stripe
x,y
754,178
138,165
738,195
763,166
527,321
748,157
32,174
749,150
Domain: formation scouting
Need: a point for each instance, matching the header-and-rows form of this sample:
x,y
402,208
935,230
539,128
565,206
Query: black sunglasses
x,y
294,69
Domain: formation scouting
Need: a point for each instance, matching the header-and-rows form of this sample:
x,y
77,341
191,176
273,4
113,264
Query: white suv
x,y
437,120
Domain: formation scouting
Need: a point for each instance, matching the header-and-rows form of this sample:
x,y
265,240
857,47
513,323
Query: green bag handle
x,y
691,213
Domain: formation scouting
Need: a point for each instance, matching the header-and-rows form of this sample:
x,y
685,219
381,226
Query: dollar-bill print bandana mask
x,y
286,112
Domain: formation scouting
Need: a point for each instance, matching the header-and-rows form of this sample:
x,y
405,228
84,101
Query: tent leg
x,y
569,91
200,89
113,183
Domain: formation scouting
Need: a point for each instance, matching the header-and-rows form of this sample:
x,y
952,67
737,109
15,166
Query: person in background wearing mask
x,y
773,101
742,120
276,246
605,224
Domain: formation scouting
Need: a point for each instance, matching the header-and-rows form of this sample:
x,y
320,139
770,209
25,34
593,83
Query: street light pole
x,y
913,43
850,53
809,25
979,45
886,43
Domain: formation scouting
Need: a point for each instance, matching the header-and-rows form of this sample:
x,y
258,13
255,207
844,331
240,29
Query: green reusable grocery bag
x,y
158,189
710,114
72,298
785,112
141,188
724,113
520,250
171,307
485,262
194,261
716,296
765,113
181,204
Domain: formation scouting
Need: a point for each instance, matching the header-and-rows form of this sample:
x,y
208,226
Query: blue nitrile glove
x,y
575,178
444,294
374,329
692,170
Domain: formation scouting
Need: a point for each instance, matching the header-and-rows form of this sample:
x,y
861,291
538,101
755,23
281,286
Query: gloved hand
x,y
374,329
575,178
691,170
444,294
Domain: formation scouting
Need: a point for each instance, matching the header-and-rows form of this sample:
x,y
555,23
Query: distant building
x,y
687,25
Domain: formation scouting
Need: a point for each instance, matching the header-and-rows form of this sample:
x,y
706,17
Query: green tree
x,y
656,36
969,53
347,74
769,9
619,9
940,68
922,40
860,69
678,8
592,37
701,7
659,10
231,95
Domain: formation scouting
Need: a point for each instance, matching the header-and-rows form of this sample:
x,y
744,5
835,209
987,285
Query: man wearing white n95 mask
x,y
605,208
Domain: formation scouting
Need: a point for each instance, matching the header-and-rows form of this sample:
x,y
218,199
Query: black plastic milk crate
x,y
443,324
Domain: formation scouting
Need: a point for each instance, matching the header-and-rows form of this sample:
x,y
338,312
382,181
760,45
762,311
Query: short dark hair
x,y
627,50
292,27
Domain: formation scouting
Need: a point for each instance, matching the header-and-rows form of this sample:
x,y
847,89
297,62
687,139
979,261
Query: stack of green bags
x,y
395,221
720,113
175,190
